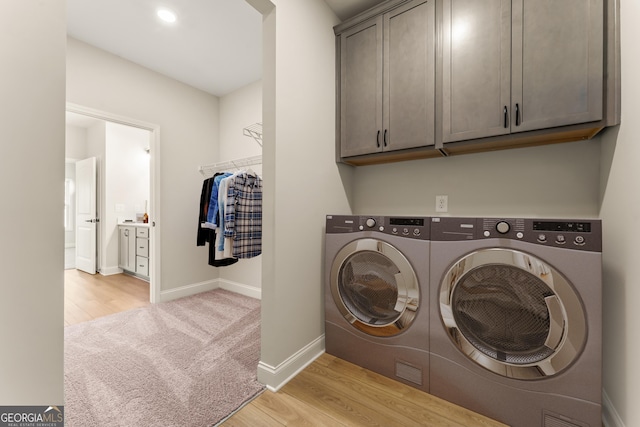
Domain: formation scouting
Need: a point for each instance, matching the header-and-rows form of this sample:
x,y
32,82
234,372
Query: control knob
x,y
503,227
370,222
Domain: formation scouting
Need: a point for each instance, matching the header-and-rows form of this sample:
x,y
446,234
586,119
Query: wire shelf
x,y
237,164
254,131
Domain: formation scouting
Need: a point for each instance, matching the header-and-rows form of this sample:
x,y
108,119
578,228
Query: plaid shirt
x,y
243,214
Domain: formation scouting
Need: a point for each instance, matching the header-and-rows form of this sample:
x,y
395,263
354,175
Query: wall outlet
x,y
442,203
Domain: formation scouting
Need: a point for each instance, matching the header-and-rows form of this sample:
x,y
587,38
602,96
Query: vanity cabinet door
x,y
127,240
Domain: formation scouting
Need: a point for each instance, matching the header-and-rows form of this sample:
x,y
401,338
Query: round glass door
x,y
375,287
512,313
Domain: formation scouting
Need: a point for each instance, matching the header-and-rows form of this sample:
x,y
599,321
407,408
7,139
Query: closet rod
x,y
237,164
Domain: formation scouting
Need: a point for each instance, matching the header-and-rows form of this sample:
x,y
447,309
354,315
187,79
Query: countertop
x,y
134,224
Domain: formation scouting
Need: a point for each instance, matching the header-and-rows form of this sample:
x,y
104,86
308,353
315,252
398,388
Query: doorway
x,y
124,150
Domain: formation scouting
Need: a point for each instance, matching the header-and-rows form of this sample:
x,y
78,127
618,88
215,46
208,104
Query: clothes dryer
x,y
516,319
376,294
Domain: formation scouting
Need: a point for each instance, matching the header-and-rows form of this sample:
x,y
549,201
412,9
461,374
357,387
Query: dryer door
x,y
375,287
512,313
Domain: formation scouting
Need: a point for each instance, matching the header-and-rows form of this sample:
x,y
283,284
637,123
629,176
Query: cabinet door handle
x,y
517,115
506,117
384,139
378,139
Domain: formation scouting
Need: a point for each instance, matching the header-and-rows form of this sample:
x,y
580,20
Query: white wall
x,y
302,183
238,110
621,252
188,121
32,47
75,145
550,181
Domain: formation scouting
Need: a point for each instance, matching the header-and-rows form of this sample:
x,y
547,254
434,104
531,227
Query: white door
x,y
86,215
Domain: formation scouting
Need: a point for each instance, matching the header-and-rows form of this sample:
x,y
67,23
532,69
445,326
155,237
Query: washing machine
x,y
376,294
516,319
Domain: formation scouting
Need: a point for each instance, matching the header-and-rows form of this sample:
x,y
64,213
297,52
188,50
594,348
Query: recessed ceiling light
x,y
167,15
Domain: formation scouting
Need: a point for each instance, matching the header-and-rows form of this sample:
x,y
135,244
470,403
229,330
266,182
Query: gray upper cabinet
x,y
387,80
476,68
361,88
557,76
522,65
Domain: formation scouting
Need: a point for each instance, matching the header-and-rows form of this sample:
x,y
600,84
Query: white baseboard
x,y
240,288
108,271
610,417
188,290
276,377
196,288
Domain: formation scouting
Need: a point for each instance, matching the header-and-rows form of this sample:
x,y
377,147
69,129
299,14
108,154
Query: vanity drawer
x,y
142,265
142,232
142,247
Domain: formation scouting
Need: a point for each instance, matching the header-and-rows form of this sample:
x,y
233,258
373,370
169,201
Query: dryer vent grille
x,y
408,372
553,420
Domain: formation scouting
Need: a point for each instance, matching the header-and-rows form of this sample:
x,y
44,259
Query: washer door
x,y
512,313
374,287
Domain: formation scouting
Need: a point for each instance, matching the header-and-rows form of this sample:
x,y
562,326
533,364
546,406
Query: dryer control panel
x,y
410,227
582,234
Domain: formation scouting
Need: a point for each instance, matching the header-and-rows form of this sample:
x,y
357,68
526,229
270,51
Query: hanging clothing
x,y
212,214
223,192
243,214
207,235
230,217
203,233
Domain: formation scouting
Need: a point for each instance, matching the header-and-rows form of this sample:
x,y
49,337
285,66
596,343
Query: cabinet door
x,y
476,68
123,254
361,89
127,254
557,63
409,76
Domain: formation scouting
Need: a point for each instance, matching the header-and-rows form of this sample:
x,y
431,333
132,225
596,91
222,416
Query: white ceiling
x,y
215,45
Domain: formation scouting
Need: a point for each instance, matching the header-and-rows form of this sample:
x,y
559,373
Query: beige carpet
x,y
188,362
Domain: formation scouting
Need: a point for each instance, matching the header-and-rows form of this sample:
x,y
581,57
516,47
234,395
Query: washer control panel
x,y
570,234
410,227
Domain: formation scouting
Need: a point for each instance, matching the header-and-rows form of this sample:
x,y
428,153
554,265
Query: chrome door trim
x,y
408,300
565,339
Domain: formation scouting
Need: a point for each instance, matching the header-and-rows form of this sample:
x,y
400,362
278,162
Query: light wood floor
x,y
89,296
333,392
